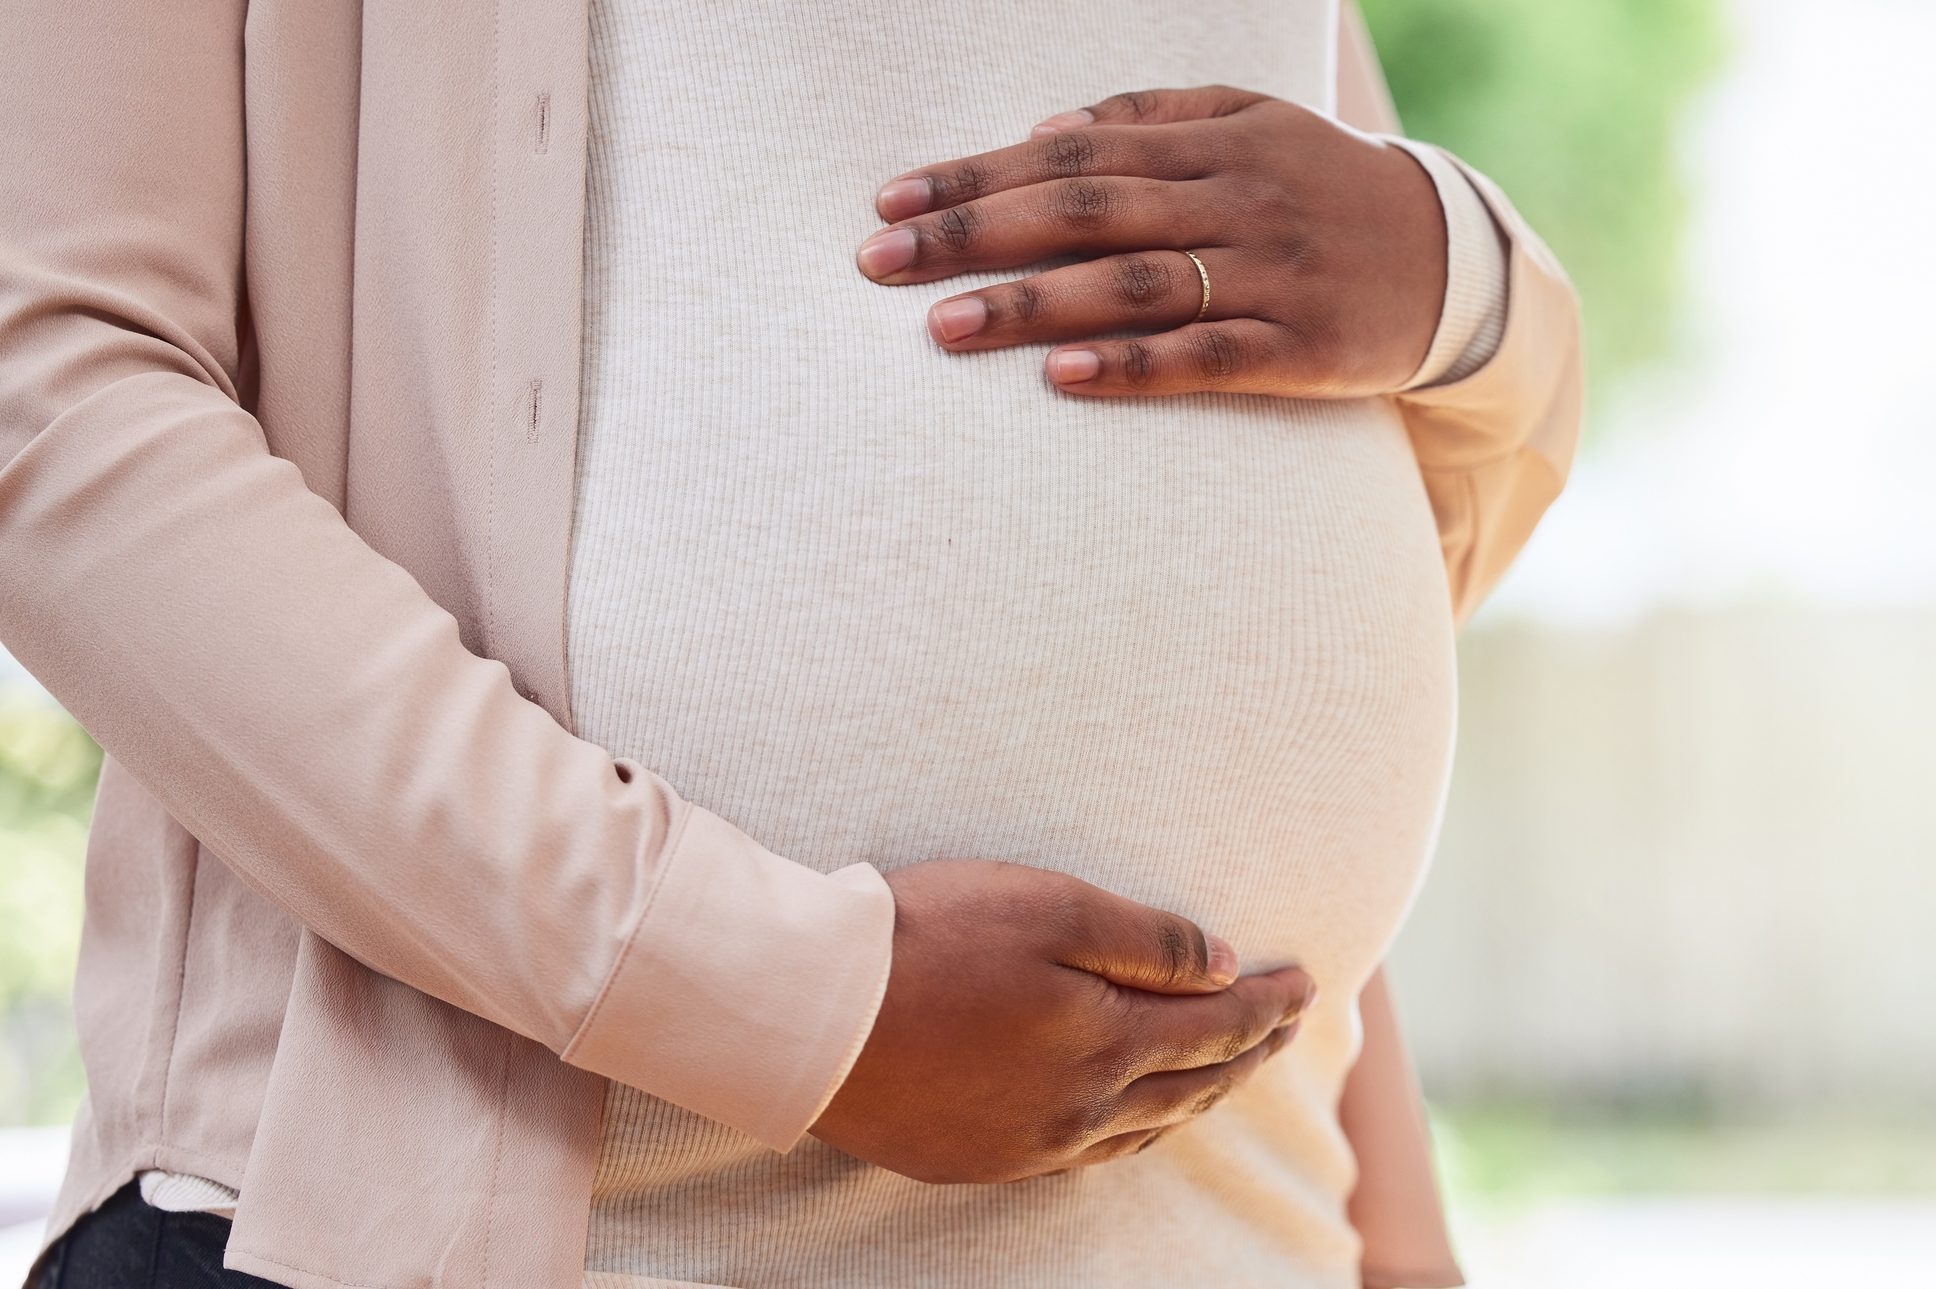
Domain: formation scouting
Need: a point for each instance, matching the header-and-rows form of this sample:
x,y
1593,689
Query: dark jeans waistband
x,y
128,1243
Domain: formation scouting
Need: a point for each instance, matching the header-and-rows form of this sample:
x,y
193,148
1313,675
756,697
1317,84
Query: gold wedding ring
x,y
1203,273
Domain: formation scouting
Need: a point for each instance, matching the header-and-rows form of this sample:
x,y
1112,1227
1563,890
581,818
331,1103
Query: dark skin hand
x,y
1325,247
1034,1023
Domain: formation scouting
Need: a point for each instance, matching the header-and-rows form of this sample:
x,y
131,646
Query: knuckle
x,y
1228,99
964,183
1199,947
1215,354
1230,1046
1117,1059
1022,302
1296,253
1275,210
1141,281
1173,951
957,228
1318,350
1135,104
1060,908
1085,203
1093,1024
1138,364
1208,1098
1066,1131
1069,153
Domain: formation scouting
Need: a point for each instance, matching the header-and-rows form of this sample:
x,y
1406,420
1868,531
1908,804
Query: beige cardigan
x,y
367,926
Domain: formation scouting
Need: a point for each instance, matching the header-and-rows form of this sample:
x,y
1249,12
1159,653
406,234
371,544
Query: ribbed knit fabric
x,y
1474,317
187,1193
875,601
871,600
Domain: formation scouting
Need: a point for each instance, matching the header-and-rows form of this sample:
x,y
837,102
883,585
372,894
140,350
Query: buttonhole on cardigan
x,y
544,121
537,405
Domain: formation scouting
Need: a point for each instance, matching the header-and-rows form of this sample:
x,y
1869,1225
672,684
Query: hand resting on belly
x,y
1035,1023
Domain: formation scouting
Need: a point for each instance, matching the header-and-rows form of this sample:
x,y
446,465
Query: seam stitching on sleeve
x,y
674,839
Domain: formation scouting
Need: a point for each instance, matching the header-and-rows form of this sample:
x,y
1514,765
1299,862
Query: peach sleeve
x,y
297,700
1494,437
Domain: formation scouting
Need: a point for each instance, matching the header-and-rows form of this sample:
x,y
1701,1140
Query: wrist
x,y
1416,260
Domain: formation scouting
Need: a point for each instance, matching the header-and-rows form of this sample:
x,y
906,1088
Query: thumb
x,y
1140,947
1153,107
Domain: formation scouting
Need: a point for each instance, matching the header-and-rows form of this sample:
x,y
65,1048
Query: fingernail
x,y
1073,366
958,319
904,197
885,252
1223,960
1064,121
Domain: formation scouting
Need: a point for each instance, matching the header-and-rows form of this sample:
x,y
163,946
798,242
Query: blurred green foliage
x,y
48,766
1507,1154
1575,110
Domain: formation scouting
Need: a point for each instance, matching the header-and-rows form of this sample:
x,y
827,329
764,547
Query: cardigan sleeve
x,y
1495,429
1493,414
299,702
1495,410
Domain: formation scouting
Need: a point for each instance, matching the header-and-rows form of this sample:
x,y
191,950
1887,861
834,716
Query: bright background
x,y
1672,985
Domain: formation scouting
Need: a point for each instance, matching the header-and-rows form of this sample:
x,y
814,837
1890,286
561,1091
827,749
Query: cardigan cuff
x,y
748,986
1474,316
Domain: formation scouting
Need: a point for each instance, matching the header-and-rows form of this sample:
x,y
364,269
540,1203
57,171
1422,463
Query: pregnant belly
x,y
1195,651
873,601
870,601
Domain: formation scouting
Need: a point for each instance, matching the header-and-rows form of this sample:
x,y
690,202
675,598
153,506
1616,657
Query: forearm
x,y
1495,435
298,701
1396,1206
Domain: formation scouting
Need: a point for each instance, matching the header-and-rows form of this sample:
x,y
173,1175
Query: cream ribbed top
x,y
871,600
